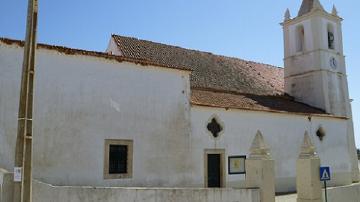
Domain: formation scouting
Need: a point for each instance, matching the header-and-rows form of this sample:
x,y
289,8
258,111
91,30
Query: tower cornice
x,y
313,13
316,50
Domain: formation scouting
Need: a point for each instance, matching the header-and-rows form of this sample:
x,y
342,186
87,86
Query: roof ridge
x,y
198,51
160,43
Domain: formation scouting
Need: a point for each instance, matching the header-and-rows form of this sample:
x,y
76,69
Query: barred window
x,y
118,159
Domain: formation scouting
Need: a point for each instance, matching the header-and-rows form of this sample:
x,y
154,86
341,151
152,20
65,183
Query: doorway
x,y
214,168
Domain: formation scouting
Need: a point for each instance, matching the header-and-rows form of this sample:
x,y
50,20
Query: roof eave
x,y
270,111
73,51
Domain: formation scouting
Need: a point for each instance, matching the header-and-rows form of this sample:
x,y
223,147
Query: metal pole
x,y
23,151
325,191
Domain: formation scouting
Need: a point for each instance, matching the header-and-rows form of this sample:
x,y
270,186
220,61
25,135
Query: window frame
x,y
129,165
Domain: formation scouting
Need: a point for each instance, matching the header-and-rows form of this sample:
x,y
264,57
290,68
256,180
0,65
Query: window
x,y
331,37
300,36
118,159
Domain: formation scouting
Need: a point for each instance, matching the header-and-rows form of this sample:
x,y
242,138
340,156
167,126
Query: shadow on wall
x,y
225,99
283,103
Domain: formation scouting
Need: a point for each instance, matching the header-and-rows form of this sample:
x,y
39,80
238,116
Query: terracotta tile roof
x,y
232,100
209,70
72,51
220,81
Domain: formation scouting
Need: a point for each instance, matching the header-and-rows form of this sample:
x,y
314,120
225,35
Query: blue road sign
x,y
325,173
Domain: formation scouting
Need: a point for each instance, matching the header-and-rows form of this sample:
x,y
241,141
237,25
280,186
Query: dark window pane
x,y
118,159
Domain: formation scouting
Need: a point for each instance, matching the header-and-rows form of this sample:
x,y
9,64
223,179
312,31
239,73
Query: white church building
x,y
146,114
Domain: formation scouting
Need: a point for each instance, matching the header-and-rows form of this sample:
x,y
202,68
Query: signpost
x,y
325,176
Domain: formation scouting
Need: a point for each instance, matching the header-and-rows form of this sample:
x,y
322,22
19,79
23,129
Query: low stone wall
x,y
6,188
45,193
350,193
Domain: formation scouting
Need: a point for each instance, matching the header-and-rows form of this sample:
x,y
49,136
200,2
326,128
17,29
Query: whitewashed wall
x,y
44,193
80,101
283,133
113,48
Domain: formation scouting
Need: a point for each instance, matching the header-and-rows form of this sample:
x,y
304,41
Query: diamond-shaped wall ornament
x,y
321,133
214,127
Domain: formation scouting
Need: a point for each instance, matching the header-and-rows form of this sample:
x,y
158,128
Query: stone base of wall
x,y
6,186
45,193
350,193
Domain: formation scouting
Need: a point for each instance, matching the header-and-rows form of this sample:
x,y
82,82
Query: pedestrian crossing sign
x,y
325,173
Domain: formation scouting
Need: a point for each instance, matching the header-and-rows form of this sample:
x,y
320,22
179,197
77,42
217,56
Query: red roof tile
x,y
209,70
232,100
229,82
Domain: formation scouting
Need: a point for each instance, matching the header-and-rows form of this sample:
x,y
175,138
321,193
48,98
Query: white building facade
x,y
128,118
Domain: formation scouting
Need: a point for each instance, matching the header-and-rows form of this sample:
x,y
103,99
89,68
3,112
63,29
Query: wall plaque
x,y
236,165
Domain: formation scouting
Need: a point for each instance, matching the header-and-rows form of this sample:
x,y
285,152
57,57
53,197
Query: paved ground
x,y
286,198
335,194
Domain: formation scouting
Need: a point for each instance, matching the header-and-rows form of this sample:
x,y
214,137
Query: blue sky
x,y
247,29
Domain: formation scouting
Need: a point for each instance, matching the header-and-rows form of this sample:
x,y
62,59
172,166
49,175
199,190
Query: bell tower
x,y
315,70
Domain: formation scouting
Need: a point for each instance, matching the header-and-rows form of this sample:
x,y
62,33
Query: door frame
x,y
221,152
